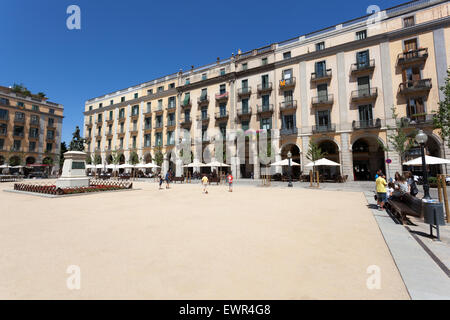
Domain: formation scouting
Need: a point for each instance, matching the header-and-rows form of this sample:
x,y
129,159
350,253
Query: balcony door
x,y
288,97
322,92
363,86
366,115
287,75
362,59
265,81
323,119
410,45
411,75
416,109
289,122
321,68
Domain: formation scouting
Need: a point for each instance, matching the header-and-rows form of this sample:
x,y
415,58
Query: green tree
x,y
314,153
399,138
88,159
134,158
442,116
159,157
97,159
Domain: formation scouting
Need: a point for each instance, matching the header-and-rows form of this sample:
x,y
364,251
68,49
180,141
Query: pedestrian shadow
x,y
372,206
422,234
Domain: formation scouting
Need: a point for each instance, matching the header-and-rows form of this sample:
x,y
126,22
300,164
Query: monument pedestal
x,y
74,171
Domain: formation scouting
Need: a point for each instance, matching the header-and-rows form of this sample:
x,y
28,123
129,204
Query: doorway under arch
x,y
368,158
295,150
30,160
332,153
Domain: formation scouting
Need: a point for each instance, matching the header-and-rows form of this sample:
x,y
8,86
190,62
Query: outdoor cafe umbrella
x,y
428,160
285,162
4,166
217,164
90,166
323,162
195,164
147,166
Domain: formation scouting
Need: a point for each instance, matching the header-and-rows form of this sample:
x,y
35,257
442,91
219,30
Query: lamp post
x,y
289,155
422,139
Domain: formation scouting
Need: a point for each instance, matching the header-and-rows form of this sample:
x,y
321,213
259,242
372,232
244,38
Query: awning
x,y
428,160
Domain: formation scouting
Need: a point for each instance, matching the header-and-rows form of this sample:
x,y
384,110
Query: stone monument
x,y
74,168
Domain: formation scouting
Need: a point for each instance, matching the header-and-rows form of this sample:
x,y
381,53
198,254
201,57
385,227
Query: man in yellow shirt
x,y
205,184
381,191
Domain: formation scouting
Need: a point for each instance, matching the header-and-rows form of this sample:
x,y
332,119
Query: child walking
x,y
230,182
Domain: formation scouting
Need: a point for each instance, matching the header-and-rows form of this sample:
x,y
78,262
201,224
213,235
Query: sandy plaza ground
x,y
254,243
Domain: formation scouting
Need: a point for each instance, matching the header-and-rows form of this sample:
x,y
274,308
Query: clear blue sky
x,y
124,43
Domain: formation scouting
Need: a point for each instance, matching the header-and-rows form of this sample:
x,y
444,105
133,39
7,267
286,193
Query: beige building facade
x,y
30,130
336,87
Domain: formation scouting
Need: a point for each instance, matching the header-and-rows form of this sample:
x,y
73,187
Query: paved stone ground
x,y
254,243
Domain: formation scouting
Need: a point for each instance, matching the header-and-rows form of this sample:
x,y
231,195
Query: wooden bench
x,y
214,180
178,179
404,204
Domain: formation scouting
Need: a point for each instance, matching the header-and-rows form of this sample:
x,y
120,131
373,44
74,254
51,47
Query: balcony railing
x,y
18,134
185,121
109,120
288,132
413,56
203,117
288,105
415,86
321,76
19,120
222,96
121,117
322,100
422,118
186,103
244,112
246,91
221,115
170,123
3,133
324,128
159,125
268,108
287,83
159,109
263,87
171,106
4,118
202,100
34,123
89,124
364,94
366,124
366,66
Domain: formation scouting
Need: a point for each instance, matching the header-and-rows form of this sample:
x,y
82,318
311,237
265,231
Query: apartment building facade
x,y
336,87
30,129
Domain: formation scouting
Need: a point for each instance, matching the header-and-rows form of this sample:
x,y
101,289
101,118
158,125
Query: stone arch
x,y
320,140
332,148
2,160
296,157
30,160
14,161
368,157
148,158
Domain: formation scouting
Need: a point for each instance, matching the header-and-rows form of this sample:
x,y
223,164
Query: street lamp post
x,y
422,139
289,155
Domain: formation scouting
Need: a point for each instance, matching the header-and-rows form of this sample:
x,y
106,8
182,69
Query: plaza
x,y
254,243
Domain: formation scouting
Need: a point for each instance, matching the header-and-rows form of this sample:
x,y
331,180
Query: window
x,y
149,91
265,81
416,109
20,104
147,140
51,111
204,76
288,122
365,114
287,55
323,119
160,104
363,86
99,131
222,71
35,107
322,92
160,89
4,101
100,105
110,129
122,113
2,144
49,147
16,145
90,108
99,118
34,133
136,95
245,125
244,106
171,119
135,110
135,128
171,85
34,119
321,68
32,146
122,128
111,115
158,139
320,46
121,143
363,59
159,121
266,123
51,134
204,113
288,96
111,102
263,61
172,102
51,122
409,22
187,115
187,81
122,99
361,35
265,100
223,88
134,142
3,129
223,131
3,114
223,109
19,116
204,95
148,123
170,138
244,66
109,144
204,133
149,107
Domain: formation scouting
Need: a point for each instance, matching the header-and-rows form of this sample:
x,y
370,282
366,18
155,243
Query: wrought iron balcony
x,y
121,117
186,103
243,92
203,100
201,117
3,133
287,83
324,128
221,96
364,94
268,108
321,76
265,87
110,120
288,132
171,106
288,105
415,86
412,57
4,118
367,124
159,110
19,120
323,100
244,112
221,115
170,123
418,119
186,121
89,124
363,67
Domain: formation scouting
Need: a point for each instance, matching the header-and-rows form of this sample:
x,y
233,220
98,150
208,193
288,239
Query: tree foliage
x,y
442,116
159,157
134,158
400,140
314,152
63,150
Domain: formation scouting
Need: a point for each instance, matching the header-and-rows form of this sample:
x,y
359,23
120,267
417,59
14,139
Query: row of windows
x,y
34,107
32,146
18,131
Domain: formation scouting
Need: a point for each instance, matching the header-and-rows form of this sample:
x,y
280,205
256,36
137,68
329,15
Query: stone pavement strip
x,y
423,278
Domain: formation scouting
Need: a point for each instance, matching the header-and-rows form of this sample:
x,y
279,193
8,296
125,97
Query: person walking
x,y
413,190
230,182
167,179
381,191
205,182
161,180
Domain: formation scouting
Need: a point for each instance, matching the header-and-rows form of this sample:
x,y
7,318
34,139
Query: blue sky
x,y
124,43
